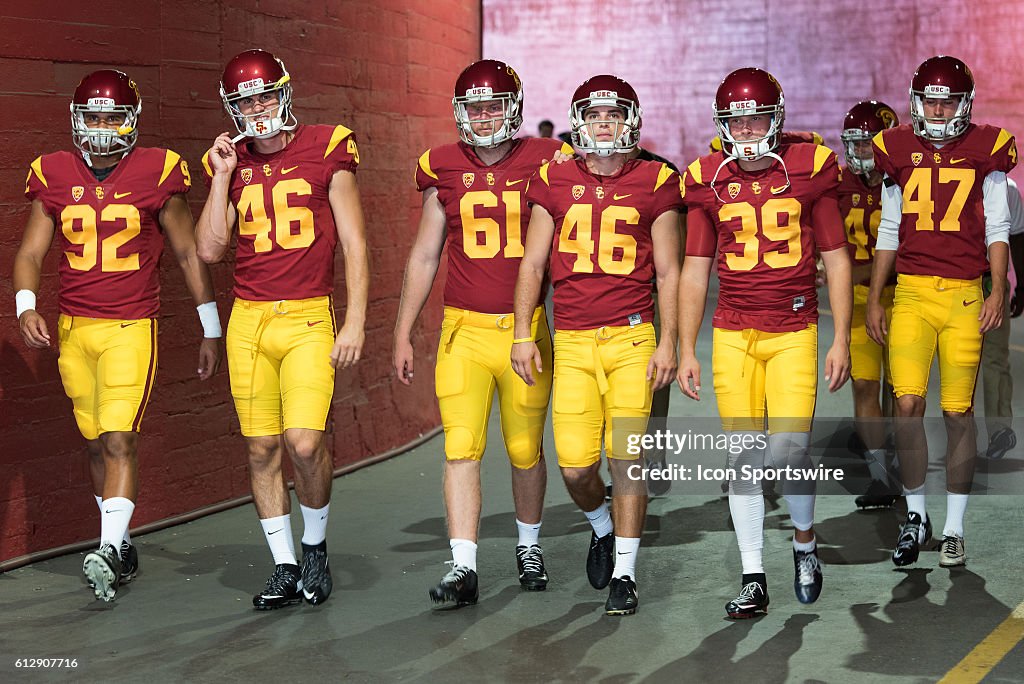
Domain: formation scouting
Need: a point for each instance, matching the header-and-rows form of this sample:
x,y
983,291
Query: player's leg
x,y
998,388
791,378
254,372
959,355
306,334
523,411
866,361
739,381
126,365
627,406
918,311
577,419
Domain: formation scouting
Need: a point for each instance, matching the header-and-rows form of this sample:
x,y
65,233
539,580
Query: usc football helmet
x,y
105,91
485,81
606,90
249,75
941,78
747,92
862,123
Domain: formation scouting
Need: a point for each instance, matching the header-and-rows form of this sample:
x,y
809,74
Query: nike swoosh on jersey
x,y
957,161
776,191
285,172
617,196
119,195
125,325
514,182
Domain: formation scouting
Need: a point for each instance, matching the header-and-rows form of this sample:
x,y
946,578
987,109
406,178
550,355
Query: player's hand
x,y
526,356
33,330
348,347
837,365
991,315
209,357
688,376
874,321
662,366
402,361
821,277
222,156
1017,302
561,157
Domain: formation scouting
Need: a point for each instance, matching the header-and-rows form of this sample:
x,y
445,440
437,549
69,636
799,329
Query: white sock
x,y
956,506
601,520
529,533
115,516
463,552
805,546
915,500
625,557
99,504
315,521
876,465
747,512
278,532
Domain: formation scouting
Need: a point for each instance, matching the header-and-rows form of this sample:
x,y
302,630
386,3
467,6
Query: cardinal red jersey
x,y
861,208
942,232
601,258
286,229
486,214
109,230
765,231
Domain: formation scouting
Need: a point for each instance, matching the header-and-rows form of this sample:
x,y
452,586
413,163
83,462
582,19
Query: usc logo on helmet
x,y
887,116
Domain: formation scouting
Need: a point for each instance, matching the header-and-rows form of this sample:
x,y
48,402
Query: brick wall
x,y
827,55
384,69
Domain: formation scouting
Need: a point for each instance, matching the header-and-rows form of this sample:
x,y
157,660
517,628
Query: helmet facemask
x,y
750,150
940,129
856,163
503,127
102,142
626,133
270,121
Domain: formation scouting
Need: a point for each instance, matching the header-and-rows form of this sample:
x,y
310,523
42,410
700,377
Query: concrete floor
x,y
188,616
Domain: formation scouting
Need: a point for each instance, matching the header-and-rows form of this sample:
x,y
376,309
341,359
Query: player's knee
x,y
94,447
461,443
263,451
910,405
119,445
304,447
577,479
864,390
523,453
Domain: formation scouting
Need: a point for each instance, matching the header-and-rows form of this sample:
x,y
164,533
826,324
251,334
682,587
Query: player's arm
x,y
420,272
28,266
213,231
665,236
997,232
840,297
884,260
525,353
176,220
348,217
692,297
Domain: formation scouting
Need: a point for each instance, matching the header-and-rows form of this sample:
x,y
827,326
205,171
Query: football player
x,y
113,203
762,207
292,190
860,203
610,225
474,199
944,222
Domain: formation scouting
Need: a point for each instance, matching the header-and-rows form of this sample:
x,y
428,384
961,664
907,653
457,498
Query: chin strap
x,y
729,158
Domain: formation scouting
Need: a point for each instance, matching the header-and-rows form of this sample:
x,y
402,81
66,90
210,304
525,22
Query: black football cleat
x,y
102,570
460,586
913,533
878,495
316,575
599,560
807,582
129,562
284,588
752,601
530,561
622,596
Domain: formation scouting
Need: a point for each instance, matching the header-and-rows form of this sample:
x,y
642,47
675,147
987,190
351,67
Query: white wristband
x,y
24,300
210,319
